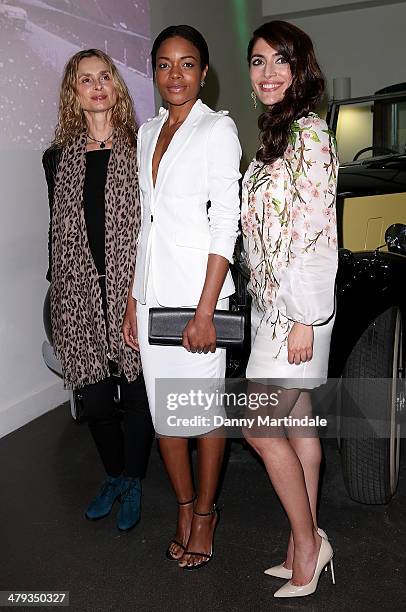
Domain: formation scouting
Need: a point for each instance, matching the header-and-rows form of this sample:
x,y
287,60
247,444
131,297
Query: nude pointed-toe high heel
x,y
325,556
280,571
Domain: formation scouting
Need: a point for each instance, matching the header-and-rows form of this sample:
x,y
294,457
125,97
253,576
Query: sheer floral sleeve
x,y
306,291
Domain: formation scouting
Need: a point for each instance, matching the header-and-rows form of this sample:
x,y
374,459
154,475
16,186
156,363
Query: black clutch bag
x,y
166,325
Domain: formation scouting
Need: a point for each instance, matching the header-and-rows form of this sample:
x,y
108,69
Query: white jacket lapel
x,y
151,145
178,143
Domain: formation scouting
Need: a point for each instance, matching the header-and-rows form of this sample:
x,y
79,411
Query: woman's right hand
x,y
129,329
300,343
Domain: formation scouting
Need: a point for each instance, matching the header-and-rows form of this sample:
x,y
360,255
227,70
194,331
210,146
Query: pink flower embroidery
x,y
315,121
289,151
292,189
303,184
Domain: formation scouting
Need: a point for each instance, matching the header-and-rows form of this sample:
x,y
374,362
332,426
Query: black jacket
x,y
50,161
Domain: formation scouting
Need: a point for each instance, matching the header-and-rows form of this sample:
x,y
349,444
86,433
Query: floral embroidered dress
x,y
290,242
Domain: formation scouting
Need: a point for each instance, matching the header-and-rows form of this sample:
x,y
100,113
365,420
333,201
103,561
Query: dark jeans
x,y
123,435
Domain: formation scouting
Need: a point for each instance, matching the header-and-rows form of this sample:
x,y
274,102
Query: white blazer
x,y
177,231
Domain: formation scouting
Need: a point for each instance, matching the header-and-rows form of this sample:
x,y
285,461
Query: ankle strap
x,y
187,502
212,511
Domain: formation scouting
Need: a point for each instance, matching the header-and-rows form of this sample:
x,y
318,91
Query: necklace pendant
x,y
102,145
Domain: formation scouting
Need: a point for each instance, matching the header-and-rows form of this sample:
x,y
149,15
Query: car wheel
x,y
371,399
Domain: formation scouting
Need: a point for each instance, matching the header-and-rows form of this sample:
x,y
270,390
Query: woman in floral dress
x,y
290,241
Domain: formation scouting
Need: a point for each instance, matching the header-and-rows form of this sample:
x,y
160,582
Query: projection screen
x,y
36,39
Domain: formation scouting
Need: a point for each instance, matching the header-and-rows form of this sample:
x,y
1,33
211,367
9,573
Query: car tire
x,y
371,398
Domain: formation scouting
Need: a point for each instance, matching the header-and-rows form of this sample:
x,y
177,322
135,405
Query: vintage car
x,y
367,350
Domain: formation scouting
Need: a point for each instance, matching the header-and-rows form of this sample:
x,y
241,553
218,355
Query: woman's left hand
x,y
300,343
199,335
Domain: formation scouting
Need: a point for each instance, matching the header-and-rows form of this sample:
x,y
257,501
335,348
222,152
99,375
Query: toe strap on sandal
x,y
194,566
178,544
197,554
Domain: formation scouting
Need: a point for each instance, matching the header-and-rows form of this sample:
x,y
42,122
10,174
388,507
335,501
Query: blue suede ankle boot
x,y
102,504
130,509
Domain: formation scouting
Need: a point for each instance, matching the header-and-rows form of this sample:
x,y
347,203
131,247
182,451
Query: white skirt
x,y
268,362
176,364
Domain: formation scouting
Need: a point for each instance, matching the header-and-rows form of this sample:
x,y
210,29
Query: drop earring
x,y
202,83
254,99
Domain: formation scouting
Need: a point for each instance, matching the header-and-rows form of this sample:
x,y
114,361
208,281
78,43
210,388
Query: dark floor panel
x,y
49,470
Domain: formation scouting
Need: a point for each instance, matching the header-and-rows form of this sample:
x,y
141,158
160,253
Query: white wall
x,y
368,45
27,387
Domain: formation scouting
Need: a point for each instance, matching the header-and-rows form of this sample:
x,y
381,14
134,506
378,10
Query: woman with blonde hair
x,y
91,172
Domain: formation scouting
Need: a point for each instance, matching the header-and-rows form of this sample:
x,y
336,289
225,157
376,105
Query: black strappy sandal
x,y
168,552
208,557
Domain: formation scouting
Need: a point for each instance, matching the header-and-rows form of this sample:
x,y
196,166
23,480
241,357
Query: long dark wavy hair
x,y
301,97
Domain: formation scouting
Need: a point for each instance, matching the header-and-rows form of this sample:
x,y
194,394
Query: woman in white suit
x,y
188,156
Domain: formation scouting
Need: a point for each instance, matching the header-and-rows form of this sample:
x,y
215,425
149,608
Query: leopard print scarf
x,y
78,324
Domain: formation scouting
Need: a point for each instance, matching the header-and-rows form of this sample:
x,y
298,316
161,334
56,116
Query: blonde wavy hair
x,y
71,118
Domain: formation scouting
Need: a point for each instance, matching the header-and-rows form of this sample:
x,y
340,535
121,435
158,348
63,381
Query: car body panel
x,y
365,219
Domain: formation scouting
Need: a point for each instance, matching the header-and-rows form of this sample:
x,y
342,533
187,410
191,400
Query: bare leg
x,y
308,450
175,453
210,458
288,479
